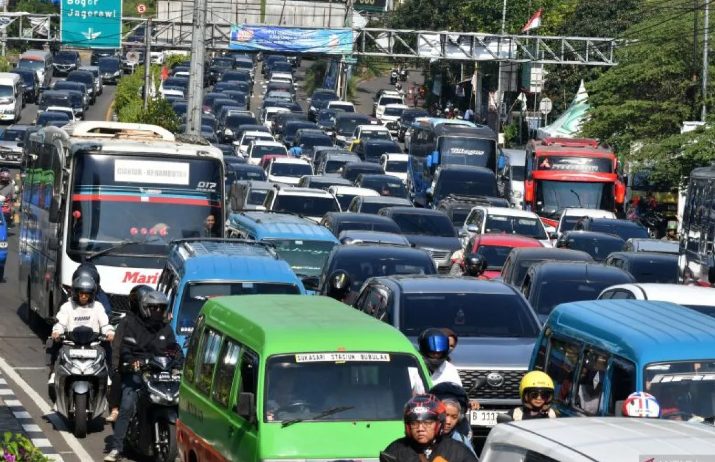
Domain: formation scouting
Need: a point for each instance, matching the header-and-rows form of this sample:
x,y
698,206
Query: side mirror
x,y
473,229
504,418
338,285
54,212
246,406
463,233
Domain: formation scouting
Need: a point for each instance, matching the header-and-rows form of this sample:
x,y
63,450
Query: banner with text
x,y
291,39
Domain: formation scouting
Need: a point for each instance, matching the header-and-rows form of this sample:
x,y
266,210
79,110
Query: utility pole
x,y
499,89
196,79
4,29
147,63
706,44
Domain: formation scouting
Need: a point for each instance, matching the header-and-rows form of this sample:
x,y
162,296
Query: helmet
x,y
672,224
87,268
5,176
153,305
135,295
449,390
536,381
434,346
423,408
641,404
83,283
474,265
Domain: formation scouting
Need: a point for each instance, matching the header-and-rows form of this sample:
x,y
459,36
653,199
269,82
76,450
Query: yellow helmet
x,y
535,380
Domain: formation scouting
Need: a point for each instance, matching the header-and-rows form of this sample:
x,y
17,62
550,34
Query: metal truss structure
x,y
388,43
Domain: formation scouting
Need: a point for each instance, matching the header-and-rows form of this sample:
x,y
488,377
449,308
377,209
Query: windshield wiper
x,y
116,246
326,413
577,197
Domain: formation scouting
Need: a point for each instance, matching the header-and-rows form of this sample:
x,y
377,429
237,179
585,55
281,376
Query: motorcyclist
x,y
536,391
114,396
671,233
7,185
434,347
456,405
145,335
81,310
424,417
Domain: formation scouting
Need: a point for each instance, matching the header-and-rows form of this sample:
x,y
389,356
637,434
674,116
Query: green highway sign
x,y
91,23
350,59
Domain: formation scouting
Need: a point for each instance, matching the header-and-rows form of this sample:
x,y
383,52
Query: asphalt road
x,y
22,349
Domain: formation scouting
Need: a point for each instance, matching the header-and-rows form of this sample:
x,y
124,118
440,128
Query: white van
x,y
598,439
39,61
11,96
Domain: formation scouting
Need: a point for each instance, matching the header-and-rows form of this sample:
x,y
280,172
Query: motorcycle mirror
x,y
504,418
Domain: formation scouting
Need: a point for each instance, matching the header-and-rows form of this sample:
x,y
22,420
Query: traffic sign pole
x,y
91,23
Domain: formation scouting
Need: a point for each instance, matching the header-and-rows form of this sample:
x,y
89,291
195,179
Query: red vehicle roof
x,y
505,240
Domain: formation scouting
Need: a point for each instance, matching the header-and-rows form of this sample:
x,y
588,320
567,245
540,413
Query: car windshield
x,y
410,117
375,135
569,222
259,151
658,270
468,314
340,386
305,257
28,78
458,216
466,185
524,226
430,225
356,170
360,267
396,166
683,389
46,117
495,255
346,125
196,294
344,200
256,196
394,111
64,57
375,206
553,196
385,100
109,65
12,134
335,166
222,62
48,99
31,64
599,249
386,227
316,140
621,229
6,91
247,173
309,206
386,187
291,170
374,151
554,292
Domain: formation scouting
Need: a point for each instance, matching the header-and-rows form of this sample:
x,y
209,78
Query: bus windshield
x,y
481,152
683,389
553,196
135,205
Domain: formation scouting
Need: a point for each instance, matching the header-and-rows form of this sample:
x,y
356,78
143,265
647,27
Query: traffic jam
x,y
318,280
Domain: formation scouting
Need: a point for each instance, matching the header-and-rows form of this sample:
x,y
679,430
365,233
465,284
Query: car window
x,y
193,350
590,384
207,360
561,367
228,360
249,372
623,382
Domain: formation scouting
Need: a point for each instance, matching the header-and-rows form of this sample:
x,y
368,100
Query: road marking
x,y
31,368
45,409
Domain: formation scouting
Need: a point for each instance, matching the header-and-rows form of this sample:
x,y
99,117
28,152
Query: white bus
x,y
114,194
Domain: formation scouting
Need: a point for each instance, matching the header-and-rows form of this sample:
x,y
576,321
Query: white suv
x,y
311,203
287,170
385,99
483,219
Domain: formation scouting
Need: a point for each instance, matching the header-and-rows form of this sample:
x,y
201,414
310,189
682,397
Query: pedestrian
x,y
469,114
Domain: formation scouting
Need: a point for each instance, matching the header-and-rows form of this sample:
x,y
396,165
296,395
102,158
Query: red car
x,y
494,247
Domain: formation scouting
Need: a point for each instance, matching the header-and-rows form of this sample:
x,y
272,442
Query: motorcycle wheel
x,y
80,416
168,451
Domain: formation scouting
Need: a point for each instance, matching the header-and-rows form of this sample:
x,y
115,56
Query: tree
x,y
160,112
645,98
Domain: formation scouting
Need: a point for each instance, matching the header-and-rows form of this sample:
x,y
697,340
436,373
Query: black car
x,y
408,116
247,194
308,138
57,119
347,267
598,245
337,222
345,123
30,84
322,182
457,208
371,150
110,68
218,66
460,180
86,78
319,100
65,61
236,85
100,53
352,170
625,229
647,266
282,118
385,185
290,129
331,162
520,259
551,283
325,118
427,229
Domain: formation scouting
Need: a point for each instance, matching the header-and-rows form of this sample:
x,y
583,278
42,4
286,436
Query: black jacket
x,y
141,340
406,450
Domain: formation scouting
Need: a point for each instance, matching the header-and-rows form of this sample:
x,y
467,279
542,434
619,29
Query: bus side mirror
x,y
528,191
246,406
54,212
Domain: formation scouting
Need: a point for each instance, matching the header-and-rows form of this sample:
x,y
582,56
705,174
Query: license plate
x,y
483,418
84,354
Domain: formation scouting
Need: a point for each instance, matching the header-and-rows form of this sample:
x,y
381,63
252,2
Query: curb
x,y
25,422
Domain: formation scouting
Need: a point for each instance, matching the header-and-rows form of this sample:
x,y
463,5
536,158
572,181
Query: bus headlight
x,y
3,245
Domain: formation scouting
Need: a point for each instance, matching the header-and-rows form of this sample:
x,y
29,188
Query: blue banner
x,y
291,39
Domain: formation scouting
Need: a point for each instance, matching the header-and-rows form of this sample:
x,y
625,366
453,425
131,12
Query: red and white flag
x,y
533,22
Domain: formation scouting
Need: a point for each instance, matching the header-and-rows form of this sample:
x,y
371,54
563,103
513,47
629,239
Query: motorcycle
x,y
655,223
403,75
80,380
152,430
393,77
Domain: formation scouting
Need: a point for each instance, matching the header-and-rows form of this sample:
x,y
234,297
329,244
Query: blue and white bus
x,y
114,194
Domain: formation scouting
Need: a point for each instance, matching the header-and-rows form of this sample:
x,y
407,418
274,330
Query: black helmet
x,y
153,305
434,346
135,295
86,284
449,390
474,265
88,269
